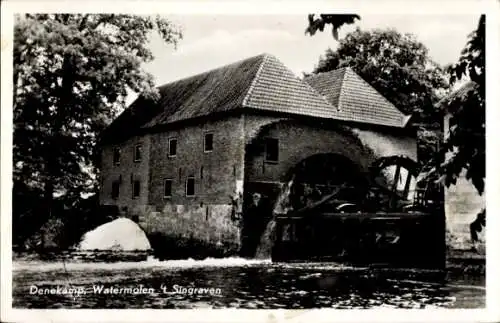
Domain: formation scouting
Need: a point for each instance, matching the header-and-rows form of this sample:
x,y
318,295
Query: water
x,y
238,283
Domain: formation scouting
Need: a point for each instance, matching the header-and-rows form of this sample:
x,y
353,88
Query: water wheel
x,y
394,182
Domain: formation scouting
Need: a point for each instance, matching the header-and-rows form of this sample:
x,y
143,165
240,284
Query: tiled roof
x,y
276,88
261,83
355,99
218,90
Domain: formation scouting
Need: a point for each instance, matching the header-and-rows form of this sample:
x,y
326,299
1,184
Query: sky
x,y
210,41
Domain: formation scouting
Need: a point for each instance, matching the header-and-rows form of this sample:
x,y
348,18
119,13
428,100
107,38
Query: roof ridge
x,y
277,88
338,69
342,86
323,97
380,94
212,70
265,57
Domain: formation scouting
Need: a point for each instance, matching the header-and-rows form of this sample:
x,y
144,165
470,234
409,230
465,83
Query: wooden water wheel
x,y
393,178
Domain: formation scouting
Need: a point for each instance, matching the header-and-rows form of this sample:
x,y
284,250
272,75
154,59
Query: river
x,y
236,283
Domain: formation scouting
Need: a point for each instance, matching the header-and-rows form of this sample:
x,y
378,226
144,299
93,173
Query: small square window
x,y
172,147
116,156
208,145
136,189
137,153
167,188
272,150
115,190
190,186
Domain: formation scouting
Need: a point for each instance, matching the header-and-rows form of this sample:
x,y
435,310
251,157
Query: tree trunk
x,y
47,207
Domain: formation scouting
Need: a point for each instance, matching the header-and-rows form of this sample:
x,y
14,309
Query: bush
x,y
62,231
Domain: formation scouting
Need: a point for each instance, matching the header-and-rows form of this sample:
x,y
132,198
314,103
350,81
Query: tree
x,y
71,73
465,147
337,21
397,65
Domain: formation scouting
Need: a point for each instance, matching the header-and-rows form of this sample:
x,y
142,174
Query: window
x,y
137,153
115,190
167,188
272,150
136,189
208,144
116,156
190,186
172,147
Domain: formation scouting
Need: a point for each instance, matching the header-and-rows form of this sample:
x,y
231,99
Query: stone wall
x,y
297,142
205,219
126,172
180,231
216,173
182,221
462,204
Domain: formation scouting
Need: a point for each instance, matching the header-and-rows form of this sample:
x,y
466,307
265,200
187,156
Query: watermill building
x,y
177,164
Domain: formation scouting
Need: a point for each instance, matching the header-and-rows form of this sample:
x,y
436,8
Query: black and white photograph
x,y
274,161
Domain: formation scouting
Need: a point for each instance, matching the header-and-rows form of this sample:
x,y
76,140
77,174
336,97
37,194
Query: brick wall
x,y
216,173
297,142
219,173
203,218
128,170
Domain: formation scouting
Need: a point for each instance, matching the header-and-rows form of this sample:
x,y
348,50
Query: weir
x,y
281,207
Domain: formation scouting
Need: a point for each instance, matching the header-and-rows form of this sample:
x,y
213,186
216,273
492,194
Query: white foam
x,y
120,234
150,263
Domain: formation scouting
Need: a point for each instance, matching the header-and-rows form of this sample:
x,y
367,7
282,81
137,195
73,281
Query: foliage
x,y
72,73
396,65
429,142
68,221
465,147
399,67
338,20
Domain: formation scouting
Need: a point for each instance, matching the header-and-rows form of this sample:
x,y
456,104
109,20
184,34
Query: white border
x,y
448,7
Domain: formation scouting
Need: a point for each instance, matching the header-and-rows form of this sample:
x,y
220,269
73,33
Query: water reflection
x,y
243,284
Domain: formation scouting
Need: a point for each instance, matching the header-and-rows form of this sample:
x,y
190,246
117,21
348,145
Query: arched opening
x,y
321,174
308,182
318,176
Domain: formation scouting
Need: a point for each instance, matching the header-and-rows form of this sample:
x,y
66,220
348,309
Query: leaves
x,y
338,20
465,147
399,67
72,74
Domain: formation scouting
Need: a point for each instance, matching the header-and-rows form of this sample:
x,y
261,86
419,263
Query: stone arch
x,y
301,143
297,141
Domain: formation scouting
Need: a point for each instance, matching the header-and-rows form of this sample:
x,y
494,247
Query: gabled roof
x,y
355,99
259,83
